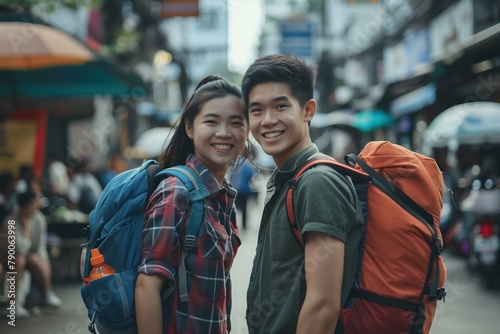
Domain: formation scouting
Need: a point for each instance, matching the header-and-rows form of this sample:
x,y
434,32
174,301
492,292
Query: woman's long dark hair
x,y
180,145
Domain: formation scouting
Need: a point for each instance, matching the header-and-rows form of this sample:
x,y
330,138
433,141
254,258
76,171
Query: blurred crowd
x,y
66,193
28,203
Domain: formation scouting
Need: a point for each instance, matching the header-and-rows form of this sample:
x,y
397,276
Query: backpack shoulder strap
x,y
197,192
339,167
152,169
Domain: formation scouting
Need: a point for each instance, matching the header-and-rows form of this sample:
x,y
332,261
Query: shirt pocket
x,y
214,240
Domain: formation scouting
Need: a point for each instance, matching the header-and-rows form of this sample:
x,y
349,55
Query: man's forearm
x,y
317,317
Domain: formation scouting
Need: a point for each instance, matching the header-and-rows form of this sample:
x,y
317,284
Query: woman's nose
x,y
223,131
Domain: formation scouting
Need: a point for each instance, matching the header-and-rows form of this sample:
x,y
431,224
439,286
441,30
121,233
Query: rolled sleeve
x,y
328,204
161,251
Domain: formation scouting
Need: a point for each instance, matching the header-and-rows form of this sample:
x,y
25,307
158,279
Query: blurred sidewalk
x,y
71,317
468,308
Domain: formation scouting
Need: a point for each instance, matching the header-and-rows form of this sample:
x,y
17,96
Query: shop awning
x,y
467,123
371,119
414,101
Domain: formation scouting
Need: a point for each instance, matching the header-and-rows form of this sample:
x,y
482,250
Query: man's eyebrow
x,y
280,98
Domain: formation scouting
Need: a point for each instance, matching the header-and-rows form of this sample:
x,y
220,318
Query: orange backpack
x,y
400,274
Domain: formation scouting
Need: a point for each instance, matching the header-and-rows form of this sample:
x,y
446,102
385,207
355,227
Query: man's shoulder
x,y
322,177
323,172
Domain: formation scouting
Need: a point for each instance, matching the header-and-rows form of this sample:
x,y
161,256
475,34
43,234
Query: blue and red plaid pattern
x,y
207,265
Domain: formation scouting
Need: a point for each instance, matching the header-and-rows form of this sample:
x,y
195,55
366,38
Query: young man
x,y
294,289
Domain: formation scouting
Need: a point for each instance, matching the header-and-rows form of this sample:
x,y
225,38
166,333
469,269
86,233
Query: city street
x,y
91,89
468,307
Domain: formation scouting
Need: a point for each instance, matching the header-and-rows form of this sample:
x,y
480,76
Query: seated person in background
x,y
31,245
7,194
84,188
58,177
115,165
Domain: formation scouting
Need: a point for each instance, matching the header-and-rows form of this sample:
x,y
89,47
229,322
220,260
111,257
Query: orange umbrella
x,y
28,46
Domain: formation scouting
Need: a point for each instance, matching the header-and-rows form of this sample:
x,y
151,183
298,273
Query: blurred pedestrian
x,y
84,188
241,174
7,194
31,246
115,165
26,177
58,177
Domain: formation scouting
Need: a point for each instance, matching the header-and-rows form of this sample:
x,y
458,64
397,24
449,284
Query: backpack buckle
x,y
189,242
92,323
441,294
438,245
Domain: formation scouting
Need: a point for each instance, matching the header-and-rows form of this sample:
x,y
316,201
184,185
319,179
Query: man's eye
x,y
254,110
210,121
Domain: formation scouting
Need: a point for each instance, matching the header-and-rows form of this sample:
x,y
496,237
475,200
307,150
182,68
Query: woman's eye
x,y
210,121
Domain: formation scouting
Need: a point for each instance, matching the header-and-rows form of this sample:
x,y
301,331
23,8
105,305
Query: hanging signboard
x,y
174,8
297,38
24,143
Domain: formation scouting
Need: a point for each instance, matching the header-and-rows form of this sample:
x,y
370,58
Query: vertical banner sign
x,y
297,38
174,8
25,141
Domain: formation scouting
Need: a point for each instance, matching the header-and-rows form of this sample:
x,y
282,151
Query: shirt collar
x,y
213,186
286,172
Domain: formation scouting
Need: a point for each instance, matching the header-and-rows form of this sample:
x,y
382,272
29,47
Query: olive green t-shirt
x,y
325,201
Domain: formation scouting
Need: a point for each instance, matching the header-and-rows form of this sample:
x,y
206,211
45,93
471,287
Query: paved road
x,y
468,309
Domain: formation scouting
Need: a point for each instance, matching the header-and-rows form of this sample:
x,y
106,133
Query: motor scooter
x,y
481,211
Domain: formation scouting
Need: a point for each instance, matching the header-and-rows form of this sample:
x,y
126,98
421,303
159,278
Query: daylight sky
x,y
245,20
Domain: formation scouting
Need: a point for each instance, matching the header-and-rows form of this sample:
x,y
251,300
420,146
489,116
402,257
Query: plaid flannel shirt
x,y
207,265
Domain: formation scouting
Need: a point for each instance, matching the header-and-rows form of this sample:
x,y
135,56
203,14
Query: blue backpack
x,y
115,228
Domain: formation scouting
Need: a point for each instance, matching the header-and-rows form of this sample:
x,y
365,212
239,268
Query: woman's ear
x,y
189,129
310,108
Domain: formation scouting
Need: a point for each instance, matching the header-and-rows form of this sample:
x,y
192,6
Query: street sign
x,y
174,8
297,38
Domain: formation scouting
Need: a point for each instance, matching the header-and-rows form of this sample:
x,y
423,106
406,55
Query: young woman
x,y
212,132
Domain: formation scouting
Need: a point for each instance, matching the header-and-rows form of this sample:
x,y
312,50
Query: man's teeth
x,y
273,134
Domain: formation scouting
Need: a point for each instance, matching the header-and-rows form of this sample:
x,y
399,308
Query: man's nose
x,y
269,118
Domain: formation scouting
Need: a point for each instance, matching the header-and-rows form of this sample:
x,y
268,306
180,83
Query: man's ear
x,y
310,108
189,129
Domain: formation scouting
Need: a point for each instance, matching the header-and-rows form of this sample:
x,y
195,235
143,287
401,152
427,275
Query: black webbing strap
x,y
414,209
385,301
399,196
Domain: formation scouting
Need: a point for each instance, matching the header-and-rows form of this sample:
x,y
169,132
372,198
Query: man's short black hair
x,y
295,72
